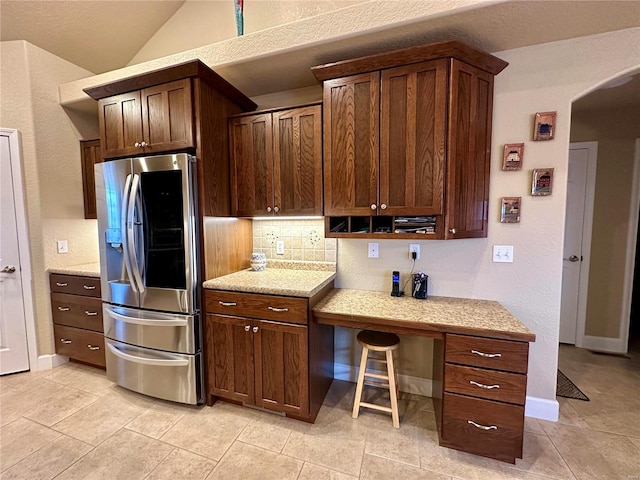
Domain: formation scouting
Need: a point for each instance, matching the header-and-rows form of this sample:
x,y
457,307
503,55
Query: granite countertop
x,y
84,270
444,314
274,281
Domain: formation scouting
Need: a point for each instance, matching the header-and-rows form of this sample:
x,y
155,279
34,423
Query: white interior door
x,y
577,241
14,354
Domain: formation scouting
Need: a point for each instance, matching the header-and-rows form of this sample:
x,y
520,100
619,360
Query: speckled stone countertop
x,y
84,270
437,314
274,281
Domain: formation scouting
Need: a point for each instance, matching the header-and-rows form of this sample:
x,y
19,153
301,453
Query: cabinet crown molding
x,y
434,51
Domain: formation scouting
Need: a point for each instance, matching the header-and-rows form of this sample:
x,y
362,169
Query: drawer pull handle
x,y
61,284
482,385
64,309
247,328
255,329
93,347
487,355
90,314
227,304
64,340
276,309
482,427
89,287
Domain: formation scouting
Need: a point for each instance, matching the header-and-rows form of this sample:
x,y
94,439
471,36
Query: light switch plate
x,y
503,253
280,247
63,246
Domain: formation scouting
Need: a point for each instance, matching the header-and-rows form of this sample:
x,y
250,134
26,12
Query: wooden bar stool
x,y
378,342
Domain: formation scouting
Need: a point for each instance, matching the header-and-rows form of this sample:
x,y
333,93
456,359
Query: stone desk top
x,y
431,317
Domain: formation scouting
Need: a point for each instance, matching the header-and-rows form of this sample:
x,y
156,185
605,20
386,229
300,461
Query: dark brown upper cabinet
x,y
89,156
408,133
183,107
276,161
152,120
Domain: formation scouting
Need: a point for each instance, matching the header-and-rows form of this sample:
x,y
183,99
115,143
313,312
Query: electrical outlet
x,y
373,250
503,253
414,247
280,247
63,246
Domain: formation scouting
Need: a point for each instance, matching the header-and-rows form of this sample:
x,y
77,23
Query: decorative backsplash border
x,y
303,240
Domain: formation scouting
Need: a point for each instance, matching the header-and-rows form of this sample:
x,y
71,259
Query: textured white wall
x,y
538,78
51,167
198,23
616,132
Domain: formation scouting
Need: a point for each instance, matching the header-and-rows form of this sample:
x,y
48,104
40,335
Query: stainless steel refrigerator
x,y
148,235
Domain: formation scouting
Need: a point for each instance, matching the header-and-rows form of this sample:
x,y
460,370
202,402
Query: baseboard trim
x,y
47,362
406,383
542,408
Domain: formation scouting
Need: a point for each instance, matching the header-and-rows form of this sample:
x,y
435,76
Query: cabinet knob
x,y
269,209
452,230
137,144
276,209
93,347
144,144
64,340
255,329
247,328
383,206
374,206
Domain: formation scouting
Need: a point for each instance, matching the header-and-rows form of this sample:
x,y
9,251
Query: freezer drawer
x,y
161,331
169,376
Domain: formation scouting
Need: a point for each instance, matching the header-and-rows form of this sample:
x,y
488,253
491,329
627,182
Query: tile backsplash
x,y
303,240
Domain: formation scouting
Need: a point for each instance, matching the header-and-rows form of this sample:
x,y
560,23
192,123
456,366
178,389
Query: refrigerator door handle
x,y
177,322
161,362
125,232
131,243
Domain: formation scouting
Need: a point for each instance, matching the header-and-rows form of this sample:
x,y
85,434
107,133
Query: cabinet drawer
x,y
504,355
483,427
489,384
269,307
80,344
75,284
77,311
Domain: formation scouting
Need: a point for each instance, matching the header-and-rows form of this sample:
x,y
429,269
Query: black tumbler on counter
x,y
419,285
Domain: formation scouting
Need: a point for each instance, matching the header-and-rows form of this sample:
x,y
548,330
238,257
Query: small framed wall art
x,y
510,210
512,156
545,126
542,182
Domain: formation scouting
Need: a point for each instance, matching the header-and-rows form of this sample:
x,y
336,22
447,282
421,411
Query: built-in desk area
x,y
480,361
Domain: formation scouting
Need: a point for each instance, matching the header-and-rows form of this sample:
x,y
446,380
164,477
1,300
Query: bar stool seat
x,y
378,342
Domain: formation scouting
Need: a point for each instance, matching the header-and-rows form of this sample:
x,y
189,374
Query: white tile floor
x,y
72,423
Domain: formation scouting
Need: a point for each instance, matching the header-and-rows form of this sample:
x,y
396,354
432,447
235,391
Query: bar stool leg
x,y
360,384
392,389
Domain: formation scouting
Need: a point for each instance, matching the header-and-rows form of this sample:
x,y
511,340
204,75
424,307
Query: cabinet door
x,y
351,124
281,362
252,165
469,154
412,139
120,125
167,117
89,155
297,143
230,372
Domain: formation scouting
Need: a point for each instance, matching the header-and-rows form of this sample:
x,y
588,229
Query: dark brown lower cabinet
x,y
286,366
479,393
76,309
